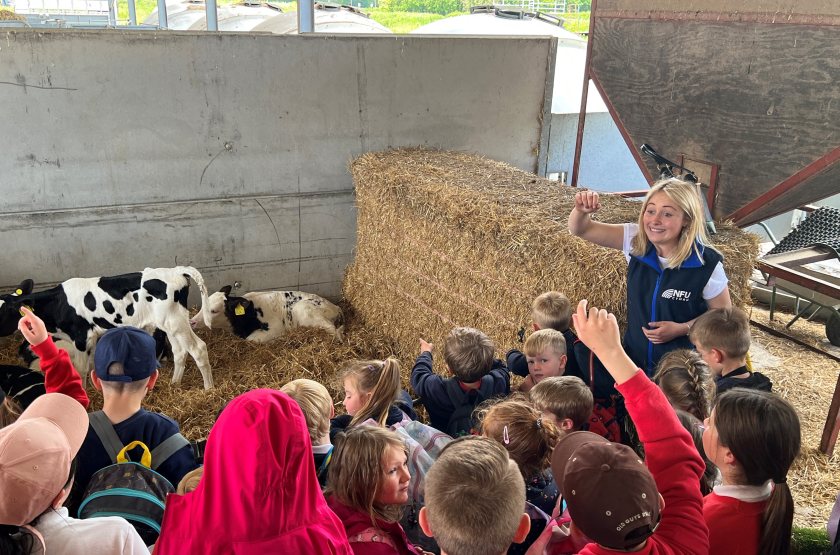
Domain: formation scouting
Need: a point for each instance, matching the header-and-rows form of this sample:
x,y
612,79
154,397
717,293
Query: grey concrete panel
x,y
230,151
216,236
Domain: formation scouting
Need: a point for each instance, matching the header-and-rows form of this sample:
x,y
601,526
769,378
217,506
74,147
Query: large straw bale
x,y
452,239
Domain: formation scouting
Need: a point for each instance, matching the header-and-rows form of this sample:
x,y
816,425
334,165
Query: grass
x,y
403,22
577,22
809,541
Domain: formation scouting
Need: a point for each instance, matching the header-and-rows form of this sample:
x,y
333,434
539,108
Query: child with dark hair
x,y
695,427
753,437
565,400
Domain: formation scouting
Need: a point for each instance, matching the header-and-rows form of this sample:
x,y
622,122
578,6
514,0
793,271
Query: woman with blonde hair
x,y
673,275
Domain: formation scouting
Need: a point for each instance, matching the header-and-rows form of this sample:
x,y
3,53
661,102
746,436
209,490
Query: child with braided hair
x,y
686,380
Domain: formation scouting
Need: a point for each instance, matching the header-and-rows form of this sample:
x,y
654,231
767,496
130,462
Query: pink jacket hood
x,y
259,493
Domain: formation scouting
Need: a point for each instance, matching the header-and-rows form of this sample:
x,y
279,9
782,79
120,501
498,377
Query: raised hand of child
x,y
598,329
425,346
32,327
587,202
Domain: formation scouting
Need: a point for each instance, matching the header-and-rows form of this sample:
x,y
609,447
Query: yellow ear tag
x,y
18,292
27,308
239,310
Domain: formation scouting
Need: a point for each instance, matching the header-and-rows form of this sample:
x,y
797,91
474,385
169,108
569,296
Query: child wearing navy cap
x,y
125,370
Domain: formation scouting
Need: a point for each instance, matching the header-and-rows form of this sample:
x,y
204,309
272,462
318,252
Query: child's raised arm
x,y
59,374
599,331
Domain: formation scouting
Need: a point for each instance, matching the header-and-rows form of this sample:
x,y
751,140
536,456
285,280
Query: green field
x,y
403,22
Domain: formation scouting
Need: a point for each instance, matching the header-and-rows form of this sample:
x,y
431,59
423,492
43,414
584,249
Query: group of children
x,y
538,471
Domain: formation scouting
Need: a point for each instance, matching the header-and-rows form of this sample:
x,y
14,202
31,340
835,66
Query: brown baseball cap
x,y
35,456
610,493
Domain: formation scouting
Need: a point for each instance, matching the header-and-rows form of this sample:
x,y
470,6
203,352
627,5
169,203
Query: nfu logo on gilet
x,y
676,295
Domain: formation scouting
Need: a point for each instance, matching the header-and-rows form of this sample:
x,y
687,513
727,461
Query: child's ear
x,y
97,383
563,360
728,457
423,521
717,355
523,529
567,425
536,327
152,379
332,411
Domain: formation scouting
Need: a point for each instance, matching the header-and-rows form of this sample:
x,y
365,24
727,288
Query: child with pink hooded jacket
x,y
259,493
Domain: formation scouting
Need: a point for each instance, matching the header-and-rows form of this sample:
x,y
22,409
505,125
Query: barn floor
x,y
800,375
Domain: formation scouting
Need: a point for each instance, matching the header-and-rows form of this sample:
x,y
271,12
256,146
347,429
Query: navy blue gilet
x,y
657,294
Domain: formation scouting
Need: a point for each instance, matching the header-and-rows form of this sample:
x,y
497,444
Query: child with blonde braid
x,y
371,391
753,437
686,380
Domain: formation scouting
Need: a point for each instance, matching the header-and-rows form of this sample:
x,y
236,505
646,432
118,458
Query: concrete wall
x,y
229,152
606,164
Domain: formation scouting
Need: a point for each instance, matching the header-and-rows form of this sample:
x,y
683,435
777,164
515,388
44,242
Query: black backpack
x,y
131,490
461,422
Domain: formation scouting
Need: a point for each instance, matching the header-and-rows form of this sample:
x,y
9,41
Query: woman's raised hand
x,y
587,202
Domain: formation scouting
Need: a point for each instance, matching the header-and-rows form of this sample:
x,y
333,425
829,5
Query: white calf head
x,y
214,309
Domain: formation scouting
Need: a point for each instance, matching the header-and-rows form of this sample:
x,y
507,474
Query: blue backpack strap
x,y
167,448
106,433
326,461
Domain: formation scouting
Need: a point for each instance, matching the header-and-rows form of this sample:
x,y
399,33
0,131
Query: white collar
x,y
321,449
748,494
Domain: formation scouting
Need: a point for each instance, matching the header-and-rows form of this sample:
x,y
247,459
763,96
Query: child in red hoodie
x,y
613,498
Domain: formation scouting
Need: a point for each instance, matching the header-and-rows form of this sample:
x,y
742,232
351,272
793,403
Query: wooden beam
x,y
622,129
584,96
743,216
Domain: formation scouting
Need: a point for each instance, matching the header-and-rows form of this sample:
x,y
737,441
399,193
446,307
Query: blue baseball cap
x,y
130,346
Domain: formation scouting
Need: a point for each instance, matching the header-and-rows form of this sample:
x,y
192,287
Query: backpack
x,y
131,490
461,421
424,445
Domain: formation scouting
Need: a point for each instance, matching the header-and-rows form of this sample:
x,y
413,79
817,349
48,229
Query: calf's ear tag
x,y
239,310
18,292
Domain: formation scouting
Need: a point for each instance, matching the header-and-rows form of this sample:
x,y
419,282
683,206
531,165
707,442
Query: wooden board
x,y
781,7
760,100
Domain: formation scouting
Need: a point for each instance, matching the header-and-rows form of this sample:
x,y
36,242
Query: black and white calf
x,y
265,315
81,309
